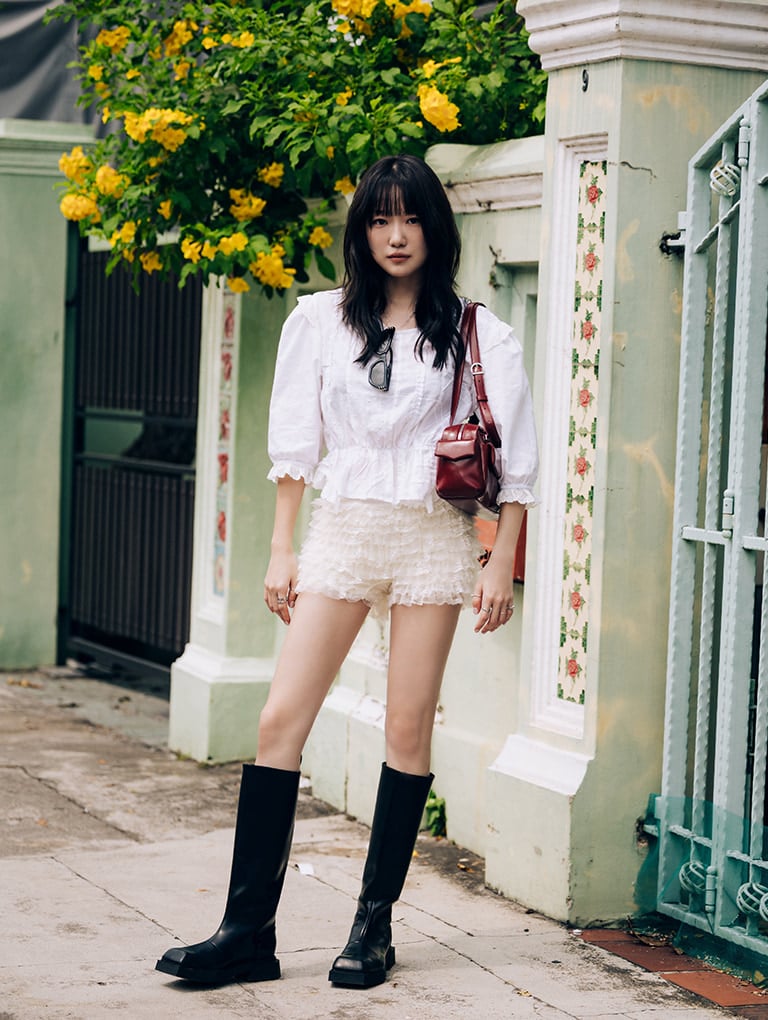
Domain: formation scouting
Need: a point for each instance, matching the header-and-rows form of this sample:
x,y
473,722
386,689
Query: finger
x,y
476,602
485,614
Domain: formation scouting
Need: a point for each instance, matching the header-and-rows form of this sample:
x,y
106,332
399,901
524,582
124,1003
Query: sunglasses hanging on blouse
x,y
380,369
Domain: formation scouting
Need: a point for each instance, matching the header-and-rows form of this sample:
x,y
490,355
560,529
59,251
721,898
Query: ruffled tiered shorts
x,y
384,555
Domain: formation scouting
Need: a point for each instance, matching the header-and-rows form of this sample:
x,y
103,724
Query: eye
x,y
378,221
414,219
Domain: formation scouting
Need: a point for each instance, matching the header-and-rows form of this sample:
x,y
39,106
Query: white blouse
x,y
329,426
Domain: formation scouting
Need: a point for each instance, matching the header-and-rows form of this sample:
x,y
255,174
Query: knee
x,y
274,728
408,736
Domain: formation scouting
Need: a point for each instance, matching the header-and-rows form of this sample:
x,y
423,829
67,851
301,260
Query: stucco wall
x,y
32,282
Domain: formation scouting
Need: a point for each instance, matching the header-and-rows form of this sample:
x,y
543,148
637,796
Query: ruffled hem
x,y
364,551
518,495
292,469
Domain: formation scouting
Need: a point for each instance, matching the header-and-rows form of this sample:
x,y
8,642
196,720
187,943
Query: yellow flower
x,y
179,37
437,108
110,182
245,206
244,40
272,174
102,89
134,72
191,250
115,38
96,71
270,271
209,43
125,234
344,97
344,185
79,207
158,124
129,254
429,67
235,242
165,209
238,284
320,238
181,70
106,114
330,152
75,165
150,261
209,250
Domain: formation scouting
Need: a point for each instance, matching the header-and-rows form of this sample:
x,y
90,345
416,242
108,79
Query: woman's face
x,y
397,244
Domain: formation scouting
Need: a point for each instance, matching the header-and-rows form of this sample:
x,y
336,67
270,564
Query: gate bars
x,y
713,853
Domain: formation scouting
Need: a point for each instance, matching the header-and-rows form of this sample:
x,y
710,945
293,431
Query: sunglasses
x,y
380,369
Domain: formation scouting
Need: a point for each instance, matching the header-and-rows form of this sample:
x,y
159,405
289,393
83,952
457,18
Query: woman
x,y
365,373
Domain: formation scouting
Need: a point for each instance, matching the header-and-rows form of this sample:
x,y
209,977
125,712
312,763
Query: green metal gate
x,y
713,841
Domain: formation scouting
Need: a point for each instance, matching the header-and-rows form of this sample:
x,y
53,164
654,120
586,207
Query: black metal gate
x,y
128,490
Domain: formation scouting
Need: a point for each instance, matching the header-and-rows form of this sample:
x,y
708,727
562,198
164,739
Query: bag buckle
x,y
476,368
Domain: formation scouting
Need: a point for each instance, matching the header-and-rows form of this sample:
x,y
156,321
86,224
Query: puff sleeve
x,y
295,435
509,397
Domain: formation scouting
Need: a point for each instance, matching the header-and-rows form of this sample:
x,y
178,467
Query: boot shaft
x,y
396,819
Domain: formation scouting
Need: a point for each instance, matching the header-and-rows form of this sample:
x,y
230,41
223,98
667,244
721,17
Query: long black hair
x,y
400,185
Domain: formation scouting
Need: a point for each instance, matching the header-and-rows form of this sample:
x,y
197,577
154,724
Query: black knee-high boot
x,y
243,947
369,953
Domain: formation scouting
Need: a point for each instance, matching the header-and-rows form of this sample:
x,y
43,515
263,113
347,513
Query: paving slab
x,y
112,850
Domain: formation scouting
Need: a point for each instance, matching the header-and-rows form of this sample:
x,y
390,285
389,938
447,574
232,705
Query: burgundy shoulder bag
x,y
467,475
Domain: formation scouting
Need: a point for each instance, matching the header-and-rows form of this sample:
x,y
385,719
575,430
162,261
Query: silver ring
x,y
281,602
487,609
510,608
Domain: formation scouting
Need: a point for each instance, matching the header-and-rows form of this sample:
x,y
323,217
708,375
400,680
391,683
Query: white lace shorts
x,y
361,550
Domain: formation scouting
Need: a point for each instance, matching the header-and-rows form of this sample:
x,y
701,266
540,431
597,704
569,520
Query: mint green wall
x,y
656,116
32,268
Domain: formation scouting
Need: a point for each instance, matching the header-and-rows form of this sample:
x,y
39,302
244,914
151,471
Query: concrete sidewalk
x,y
112,849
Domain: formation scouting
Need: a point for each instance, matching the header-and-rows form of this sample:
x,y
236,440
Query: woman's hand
x,y
494,600
280,583
280,580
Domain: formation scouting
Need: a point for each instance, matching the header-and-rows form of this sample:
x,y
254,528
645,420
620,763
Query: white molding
x,y
523,192
719,33
550,768
491,178
33,148
546,711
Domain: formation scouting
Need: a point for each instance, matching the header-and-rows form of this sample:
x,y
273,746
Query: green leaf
x,y
358,141
325,266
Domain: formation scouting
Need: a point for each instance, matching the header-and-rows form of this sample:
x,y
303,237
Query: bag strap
x,y
469,336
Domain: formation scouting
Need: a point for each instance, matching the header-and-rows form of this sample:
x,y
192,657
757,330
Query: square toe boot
x,y
369,953
243,946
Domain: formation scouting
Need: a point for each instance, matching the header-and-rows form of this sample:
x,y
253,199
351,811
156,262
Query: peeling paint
x,y
624,267
644,454
681,99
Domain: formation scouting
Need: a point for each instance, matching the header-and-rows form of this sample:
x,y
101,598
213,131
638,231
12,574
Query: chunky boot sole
x,y
258,970
362,978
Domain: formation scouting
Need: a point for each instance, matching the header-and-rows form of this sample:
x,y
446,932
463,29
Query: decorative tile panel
x,y
226,351
582,433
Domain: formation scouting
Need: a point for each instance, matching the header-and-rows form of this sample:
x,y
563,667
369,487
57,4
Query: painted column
x,y
220,683
32,325
634,89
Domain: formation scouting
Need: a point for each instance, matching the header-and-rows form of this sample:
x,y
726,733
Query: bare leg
x,y
420,641
320,634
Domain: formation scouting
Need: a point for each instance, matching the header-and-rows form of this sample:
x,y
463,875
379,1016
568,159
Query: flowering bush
x,y
225,118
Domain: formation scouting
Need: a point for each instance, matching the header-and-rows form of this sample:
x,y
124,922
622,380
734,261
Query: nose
x,y
397,235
